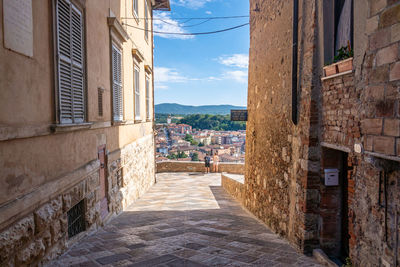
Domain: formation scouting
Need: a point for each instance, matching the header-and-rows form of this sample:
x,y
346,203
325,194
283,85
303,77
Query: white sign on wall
x,y
18,29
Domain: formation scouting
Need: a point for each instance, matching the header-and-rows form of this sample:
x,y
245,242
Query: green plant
x,y
343,53
348,263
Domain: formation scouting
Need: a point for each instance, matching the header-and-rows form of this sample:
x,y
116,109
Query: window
x,y
146,20
137,93
338,26
117,83
70,63
147,98
136,8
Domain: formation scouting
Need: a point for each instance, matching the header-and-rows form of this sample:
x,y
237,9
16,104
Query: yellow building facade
x,y
76,119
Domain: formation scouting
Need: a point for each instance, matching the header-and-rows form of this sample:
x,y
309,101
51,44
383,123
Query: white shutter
x,y
117,83
147,98
70,63
137,94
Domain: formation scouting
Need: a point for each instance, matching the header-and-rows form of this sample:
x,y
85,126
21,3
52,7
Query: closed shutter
x,y
137,94
147,98
117,83
70,63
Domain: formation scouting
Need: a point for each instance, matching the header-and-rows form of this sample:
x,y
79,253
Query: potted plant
x,y
343,61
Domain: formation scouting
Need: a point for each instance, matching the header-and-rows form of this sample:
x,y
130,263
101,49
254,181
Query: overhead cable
x,y
185,26
201,18
195,33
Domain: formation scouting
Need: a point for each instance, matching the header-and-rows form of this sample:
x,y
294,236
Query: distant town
x,y
178,141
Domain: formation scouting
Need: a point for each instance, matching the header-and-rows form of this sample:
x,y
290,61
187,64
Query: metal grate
x,y
76,219
100,101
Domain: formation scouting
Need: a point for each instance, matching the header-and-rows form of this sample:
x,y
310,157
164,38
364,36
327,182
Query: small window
x,y
76,219
100,101
137,93
146,20
70,62
117,83
147,98
136,8
338,27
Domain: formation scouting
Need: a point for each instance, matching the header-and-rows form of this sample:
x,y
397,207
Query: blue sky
x,y
205,69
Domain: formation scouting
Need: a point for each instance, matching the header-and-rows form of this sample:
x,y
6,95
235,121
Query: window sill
x,y
148,120
118,123
64,128
138,121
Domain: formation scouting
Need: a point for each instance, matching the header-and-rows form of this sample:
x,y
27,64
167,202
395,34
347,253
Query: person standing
x,y
207,161
215,161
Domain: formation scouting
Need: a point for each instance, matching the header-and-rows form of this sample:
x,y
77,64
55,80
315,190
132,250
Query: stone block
x,y
385,145
372,24
398,146
47,213
34,250
372,126
379,39
385,108
376,6
368,143
395,72
391,127
379,74
56,231
15,236
395,33
374,93
390,16
387,55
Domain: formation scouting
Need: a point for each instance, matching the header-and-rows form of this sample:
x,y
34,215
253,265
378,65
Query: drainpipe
x,y
294,60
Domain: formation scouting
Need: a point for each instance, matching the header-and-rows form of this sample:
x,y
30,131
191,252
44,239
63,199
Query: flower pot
x,y
330,70
345,65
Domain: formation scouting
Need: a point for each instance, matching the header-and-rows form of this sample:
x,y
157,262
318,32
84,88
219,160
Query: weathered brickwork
x,y
350,123
42,235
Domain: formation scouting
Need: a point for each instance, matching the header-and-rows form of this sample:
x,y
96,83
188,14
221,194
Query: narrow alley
x,y
186,219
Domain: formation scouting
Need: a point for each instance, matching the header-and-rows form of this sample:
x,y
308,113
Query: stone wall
x,y
42,234
350,122
191,166
234,187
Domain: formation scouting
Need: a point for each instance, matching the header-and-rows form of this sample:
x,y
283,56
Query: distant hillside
x,y
168,108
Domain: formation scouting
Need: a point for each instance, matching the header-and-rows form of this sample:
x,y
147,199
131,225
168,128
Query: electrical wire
x,y
185,26
195,33
198,18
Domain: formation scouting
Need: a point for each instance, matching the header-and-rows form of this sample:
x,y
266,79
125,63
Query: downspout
x,y
294,60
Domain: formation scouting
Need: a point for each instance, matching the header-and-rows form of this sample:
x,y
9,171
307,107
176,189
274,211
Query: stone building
x,y
76,119
347,122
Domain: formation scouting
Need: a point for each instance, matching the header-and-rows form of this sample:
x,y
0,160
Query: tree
x,y
188,138
182,155
195,156
201,144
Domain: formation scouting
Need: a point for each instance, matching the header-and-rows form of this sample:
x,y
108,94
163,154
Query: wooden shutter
x,y
137,94
147,98
70,58
146,22
117,83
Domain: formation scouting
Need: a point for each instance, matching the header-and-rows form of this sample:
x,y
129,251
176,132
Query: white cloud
x,y
193,4
164,23
236,75
208,12
235,60
163,75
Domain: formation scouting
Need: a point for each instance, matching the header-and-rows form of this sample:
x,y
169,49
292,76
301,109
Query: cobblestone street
x,y
184,220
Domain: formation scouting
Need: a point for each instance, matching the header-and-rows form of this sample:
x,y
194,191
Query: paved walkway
x,y
184,220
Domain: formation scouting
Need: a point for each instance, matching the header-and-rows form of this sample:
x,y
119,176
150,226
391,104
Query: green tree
x,y
195,156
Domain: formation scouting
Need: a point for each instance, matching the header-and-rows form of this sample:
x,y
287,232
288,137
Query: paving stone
x,y
184,221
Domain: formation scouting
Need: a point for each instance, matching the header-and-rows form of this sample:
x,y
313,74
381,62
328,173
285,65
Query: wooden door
x,y
103,182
